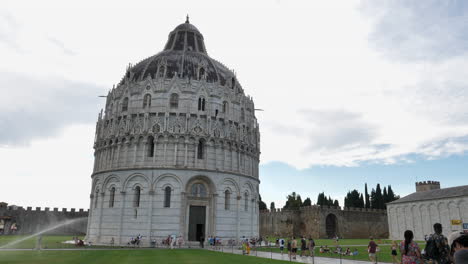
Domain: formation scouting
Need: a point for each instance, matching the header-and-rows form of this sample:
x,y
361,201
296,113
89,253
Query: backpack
x,y
432,251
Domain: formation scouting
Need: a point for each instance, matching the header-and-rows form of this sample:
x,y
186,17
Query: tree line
x,y
376,200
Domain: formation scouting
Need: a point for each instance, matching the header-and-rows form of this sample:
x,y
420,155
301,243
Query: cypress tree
x,y
379,197
366,193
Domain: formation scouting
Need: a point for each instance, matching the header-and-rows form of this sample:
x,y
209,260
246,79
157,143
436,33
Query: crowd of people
x,y
438,248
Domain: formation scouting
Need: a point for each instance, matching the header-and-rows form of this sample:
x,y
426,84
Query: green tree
x,y
361,201
379,197
293,201
307,202
366,193
373,201
336,203
272,206
261,205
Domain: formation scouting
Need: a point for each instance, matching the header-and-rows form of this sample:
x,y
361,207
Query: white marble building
x,y
176,150
419,211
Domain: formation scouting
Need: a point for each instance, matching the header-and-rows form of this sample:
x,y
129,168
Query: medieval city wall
x,y
325,222
30,221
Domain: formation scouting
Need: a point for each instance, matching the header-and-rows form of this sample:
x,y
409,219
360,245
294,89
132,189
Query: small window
x,y
201,149
201,104
136,202
125,104
227,199
112,197
198,190
147,101
225,107
174,101
233,83
161,71
150,146
242,115
201,73
246,198
167,197
96,199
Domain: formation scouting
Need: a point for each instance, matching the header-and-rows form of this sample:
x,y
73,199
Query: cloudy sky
x,y
353,91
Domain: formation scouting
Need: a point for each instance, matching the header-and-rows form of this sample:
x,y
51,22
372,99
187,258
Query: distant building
x,y
176,151
430,204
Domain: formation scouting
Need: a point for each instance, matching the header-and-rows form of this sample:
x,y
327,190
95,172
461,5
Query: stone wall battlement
x,y
45,209
317,207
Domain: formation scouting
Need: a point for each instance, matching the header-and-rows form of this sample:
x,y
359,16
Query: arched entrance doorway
x,y
331,225
199,208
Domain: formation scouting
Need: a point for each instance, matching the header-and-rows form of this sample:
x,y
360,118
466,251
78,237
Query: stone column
x,y
165,149
155,141
150,215
186,152
176,144
118,154
238,218
90,214
119,239
135,152
101,209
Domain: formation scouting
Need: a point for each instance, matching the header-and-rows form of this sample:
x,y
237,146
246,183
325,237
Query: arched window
x,y
201,149
201,104
227,199
242,117
201,73
147,101
246,197
167,196
150,146
112,197
96,199
174,101
125,104
225,107
136,201
161,71
198,190
233,83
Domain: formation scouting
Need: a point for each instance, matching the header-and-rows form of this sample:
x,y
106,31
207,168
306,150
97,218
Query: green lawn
x,y
140,256
48,241
382,256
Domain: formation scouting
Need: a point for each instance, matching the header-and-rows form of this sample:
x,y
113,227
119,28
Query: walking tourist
x,y
303,246
281,245
410,252
311,246
437,247
372,249
460,246
294,247
394,253
289,247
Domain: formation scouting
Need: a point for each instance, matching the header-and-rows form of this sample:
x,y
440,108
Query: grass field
x,y
48,241
126,256
140,256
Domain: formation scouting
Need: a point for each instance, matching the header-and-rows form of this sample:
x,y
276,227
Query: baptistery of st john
x,y
176,150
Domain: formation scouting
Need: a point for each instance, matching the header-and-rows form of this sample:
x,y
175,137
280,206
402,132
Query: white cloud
x,y
373,98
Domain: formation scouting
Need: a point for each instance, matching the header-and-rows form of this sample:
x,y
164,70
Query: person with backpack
x,y
437,248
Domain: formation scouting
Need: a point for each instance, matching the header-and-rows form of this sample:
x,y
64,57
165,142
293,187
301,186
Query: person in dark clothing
x,y
202,241
303,246
437,248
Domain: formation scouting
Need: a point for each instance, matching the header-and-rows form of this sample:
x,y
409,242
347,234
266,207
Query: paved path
x,y
315,260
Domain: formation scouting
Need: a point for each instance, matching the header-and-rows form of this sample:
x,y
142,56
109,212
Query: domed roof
x,y
185,55
187,26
